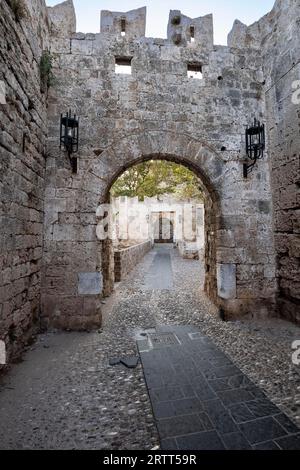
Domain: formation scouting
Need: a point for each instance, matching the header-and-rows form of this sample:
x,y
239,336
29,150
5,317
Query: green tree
x,y
158,177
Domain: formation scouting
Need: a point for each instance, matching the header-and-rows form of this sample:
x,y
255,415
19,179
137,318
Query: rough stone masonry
x,y
54,270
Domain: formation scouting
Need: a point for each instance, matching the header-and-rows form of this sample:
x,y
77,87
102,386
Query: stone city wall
x,y
278,35
283,120
23,130
159,112
139,220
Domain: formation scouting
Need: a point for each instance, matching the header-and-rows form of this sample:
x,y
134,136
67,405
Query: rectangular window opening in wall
x,y
192,33
194,71
123,65
123,27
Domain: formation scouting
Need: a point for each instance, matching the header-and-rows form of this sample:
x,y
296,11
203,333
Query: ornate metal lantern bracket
x,y
255,145
69,137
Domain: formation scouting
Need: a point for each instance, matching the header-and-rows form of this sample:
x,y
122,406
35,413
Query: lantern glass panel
x,y
69,127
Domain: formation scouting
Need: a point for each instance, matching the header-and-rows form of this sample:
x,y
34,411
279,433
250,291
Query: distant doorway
x,y
164,227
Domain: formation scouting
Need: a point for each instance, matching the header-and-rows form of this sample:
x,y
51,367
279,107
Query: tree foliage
x,y
155,178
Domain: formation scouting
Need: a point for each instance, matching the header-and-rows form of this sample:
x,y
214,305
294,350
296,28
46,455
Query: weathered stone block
x,y
226,281
90,283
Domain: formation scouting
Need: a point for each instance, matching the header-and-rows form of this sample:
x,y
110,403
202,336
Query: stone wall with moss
x,y
23,130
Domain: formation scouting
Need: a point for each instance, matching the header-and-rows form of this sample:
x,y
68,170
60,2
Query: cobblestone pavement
x,y
64,395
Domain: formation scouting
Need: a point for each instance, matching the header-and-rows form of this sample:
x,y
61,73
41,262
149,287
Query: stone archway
x,y
179,148
76,262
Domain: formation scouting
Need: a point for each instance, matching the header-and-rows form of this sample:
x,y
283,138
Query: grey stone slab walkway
x,y
159,276
202,401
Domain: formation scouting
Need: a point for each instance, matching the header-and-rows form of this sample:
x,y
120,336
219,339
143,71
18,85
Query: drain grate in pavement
x,y
163,339
195,336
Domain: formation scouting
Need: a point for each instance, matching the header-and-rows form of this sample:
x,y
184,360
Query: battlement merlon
x,y
62,19
132,23
183,30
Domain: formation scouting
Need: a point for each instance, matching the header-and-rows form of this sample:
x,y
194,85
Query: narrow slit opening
x,y
123,27
192,33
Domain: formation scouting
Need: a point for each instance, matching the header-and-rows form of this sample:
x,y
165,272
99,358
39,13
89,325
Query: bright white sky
x,y
224,11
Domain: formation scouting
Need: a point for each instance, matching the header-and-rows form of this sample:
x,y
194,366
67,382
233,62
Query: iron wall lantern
x,y
255,145
69,135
